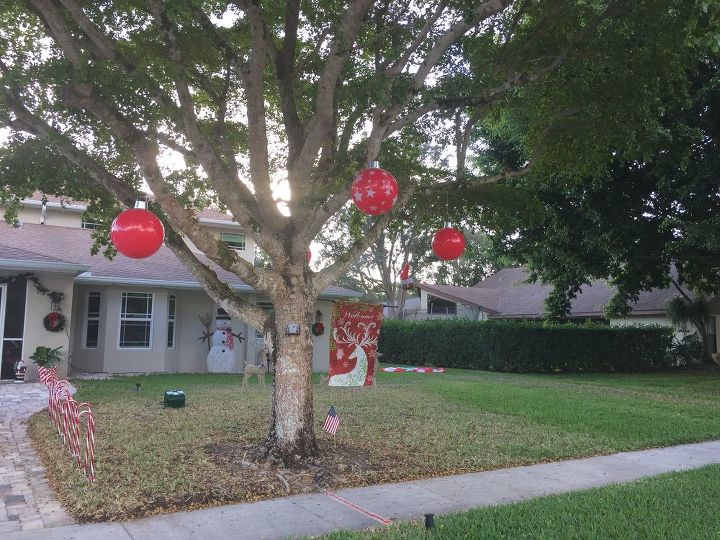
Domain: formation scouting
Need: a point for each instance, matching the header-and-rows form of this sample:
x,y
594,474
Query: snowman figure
x,y
221,358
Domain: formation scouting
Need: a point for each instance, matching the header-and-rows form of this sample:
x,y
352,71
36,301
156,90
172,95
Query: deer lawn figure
x,y
357,376
259,370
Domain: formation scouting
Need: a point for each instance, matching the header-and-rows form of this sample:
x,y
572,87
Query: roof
x,y
57,247
505,294
207,215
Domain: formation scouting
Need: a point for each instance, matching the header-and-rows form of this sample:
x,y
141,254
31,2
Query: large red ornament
x,y
137,233
448,243
374,190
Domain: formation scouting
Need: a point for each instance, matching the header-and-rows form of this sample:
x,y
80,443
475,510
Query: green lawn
x,y
151,459
671,506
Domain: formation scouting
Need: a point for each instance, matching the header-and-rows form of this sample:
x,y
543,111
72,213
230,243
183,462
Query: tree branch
x,y
233,192
331,273
30,123
320,124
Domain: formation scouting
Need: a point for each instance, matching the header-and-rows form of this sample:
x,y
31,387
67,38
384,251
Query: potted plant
x,y
45,358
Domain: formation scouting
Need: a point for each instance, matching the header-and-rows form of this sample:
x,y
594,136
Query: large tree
x,y
648,219
246,94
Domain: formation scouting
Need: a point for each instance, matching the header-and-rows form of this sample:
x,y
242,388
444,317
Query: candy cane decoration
x,y
71,428
66,415
58,391
47,376
89,461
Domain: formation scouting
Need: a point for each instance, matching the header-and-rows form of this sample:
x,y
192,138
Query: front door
x,y
12,324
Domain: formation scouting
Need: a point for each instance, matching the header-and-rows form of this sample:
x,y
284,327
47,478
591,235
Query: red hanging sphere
x,y
137,233
448,243
308,256
374,191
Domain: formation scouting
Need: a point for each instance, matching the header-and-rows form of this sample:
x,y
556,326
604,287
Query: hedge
x,y
526,347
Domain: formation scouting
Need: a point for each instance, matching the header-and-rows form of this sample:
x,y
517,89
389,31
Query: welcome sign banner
x,y
353,343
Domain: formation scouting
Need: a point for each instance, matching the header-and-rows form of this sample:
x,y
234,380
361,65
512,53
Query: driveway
x,y
26,502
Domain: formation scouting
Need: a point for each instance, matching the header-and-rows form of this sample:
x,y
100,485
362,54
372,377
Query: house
x,y
507,295
124,315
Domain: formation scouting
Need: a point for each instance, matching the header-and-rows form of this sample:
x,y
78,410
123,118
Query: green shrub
x,y
523,347
688,350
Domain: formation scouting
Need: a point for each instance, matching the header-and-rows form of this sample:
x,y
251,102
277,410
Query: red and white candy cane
x,y
47,375
89,461
55,393
71,428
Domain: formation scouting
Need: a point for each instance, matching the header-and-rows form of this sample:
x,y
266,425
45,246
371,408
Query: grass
x,y
151,459
671,506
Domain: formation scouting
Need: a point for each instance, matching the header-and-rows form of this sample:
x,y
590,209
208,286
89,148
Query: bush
x,y
687,351
526,347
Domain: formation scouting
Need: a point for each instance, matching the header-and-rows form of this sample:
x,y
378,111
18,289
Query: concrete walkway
x,y
304,515
26,502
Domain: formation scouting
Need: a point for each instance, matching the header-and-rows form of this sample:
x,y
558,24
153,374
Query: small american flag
x,y
331,422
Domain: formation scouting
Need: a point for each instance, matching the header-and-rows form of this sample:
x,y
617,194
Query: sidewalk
x,y
360,508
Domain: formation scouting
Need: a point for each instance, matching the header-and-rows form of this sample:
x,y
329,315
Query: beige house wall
x,y
36,307
216,230
83,358
321,344
57,217
189,354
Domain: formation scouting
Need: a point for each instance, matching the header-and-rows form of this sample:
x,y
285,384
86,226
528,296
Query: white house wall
x,y
649,320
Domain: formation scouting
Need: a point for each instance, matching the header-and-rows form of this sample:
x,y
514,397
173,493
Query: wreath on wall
x,y
318,329
54,322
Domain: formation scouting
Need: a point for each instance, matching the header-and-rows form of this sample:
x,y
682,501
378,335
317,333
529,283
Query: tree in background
x,y
193,99
646,215
684,310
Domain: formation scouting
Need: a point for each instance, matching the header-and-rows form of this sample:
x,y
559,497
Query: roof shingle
x,y
33,242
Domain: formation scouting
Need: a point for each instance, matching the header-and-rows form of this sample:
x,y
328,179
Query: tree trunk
x,y
700,327
292,437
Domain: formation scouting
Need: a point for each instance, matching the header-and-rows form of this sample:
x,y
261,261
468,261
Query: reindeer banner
x,y
353,347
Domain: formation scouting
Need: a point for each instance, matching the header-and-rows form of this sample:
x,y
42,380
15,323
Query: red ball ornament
x,y
374,190
448,243
137,233
308,256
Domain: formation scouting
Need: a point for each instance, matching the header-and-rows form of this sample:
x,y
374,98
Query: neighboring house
x,y
124,315
506,295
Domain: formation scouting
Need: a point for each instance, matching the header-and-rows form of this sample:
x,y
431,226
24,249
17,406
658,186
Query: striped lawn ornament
x,y
59,391
66,415
89,461
47,375
71,428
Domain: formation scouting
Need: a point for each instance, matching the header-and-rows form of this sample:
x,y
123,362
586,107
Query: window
x,y
235,241
172,301
89,224
92,320
440,306
711,333
136,320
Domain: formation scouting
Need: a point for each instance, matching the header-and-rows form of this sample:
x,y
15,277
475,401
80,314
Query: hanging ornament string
x,y
447,206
